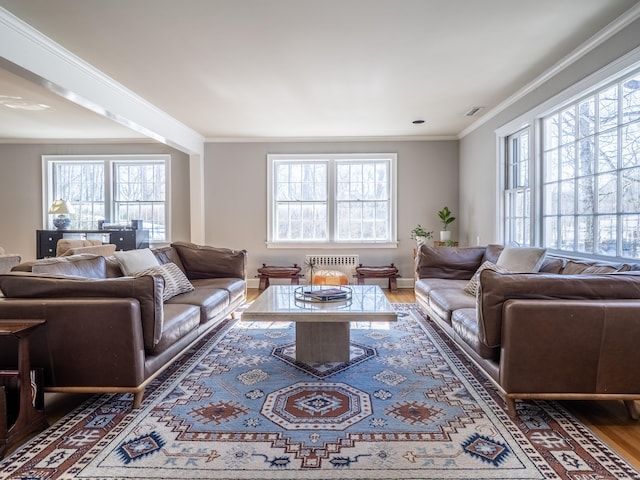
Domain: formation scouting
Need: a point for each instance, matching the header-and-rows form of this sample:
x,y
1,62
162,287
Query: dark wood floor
x,y
608,420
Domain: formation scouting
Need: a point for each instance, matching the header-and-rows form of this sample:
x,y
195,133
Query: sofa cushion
x,y
113,267
235,287
201,261
464,322
492,253
574,267
180,321
132,261
552,264
168,254
448,262
210,300
521,259
175,281
82,265
445,301
472,285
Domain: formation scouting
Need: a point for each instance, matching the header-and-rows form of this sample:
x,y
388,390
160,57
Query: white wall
x,y
236,190
478,150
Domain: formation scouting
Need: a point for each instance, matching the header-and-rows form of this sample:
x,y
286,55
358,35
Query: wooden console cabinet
x,y
47,240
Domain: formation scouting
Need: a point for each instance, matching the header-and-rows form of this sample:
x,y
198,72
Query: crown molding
x,y
400,138
75,141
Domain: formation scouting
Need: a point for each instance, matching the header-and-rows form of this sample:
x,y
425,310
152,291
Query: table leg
x,y
29,419
318,342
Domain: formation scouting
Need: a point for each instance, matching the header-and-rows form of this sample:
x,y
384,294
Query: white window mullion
x,y
332,208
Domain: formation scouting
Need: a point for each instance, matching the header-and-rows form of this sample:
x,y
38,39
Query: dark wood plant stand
x,y
30,417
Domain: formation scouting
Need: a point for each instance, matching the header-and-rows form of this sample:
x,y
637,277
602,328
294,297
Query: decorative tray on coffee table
x,y
323,294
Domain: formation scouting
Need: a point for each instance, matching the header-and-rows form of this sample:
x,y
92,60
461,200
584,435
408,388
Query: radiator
x,y
342,263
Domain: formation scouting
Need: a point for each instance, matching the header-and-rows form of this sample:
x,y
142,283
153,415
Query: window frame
x,y
512,186
332,161
109,162
615,72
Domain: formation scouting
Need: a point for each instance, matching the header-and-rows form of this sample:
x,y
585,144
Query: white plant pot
x,y
445,235
420,241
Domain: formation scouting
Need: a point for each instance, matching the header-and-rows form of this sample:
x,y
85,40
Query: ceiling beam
x,y
28,53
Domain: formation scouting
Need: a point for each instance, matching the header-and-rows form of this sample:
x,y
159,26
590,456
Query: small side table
x,y
387,271
271,271
29,419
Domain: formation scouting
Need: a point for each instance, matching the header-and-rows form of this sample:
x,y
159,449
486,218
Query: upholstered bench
x,y
387,271
271,271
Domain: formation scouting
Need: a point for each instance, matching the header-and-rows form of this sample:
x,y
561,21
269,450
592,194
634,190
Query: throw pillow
x,y
472,285
522,259
175,281
132,261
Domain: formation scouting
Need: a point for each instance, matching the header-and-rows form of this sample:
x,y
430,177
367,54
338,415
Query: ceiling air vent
x,y
472,111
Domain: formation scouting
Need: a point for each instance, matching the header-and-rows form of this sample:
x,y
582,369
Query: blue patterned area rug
x,y
408,405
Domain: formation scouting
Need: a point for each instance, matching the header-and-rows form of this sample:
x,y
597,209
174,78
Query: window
x,y
576,189
591,179
113,189
517,193
338,199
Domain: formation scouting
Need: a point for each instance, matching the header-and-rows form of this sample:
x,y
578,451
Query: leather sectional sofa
x,y
106,332
571,330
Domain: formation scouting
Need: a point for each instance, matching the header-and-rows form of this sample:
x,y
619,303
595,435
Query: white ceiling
x,y
251,69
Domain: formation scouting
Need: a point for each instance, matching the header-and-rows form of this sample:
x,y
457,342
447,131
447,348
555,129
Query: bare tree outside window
x,y
591,173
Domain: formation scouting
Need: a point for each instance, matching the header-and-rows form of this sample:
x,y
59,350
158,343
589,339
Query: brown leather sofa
x,y
106,332
570,331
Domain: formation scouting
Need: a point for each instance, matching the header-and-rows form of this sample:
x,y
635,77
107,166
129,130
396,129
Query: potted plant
x,y
446,217
420,234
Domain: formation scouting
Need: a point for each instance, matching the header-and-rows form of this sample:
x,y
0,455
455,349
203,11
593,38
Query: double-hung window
x,y
584,172
517,193
591,172
332,199
110,188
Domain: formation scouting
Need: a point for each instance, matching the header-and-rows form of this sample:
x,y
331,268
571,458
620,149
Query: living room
x,y
218,182
460,171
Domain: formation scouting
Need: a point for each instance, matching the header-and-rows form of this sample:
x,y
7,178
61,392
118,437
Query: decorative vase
x,y
445,235
62,222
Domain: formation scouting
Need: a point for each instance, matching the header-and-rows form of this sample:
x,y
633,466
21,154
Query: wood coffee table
x,y
322,328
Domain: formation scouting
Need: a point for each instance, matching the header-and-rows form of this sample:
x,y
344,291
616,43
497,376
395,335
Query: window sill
x,y
330,245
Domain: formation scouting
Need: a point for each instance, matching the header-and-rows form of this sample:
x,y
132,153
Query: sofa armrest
x,y
494,289
448,262
147,290
8,261
211,262
84,342
570,346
